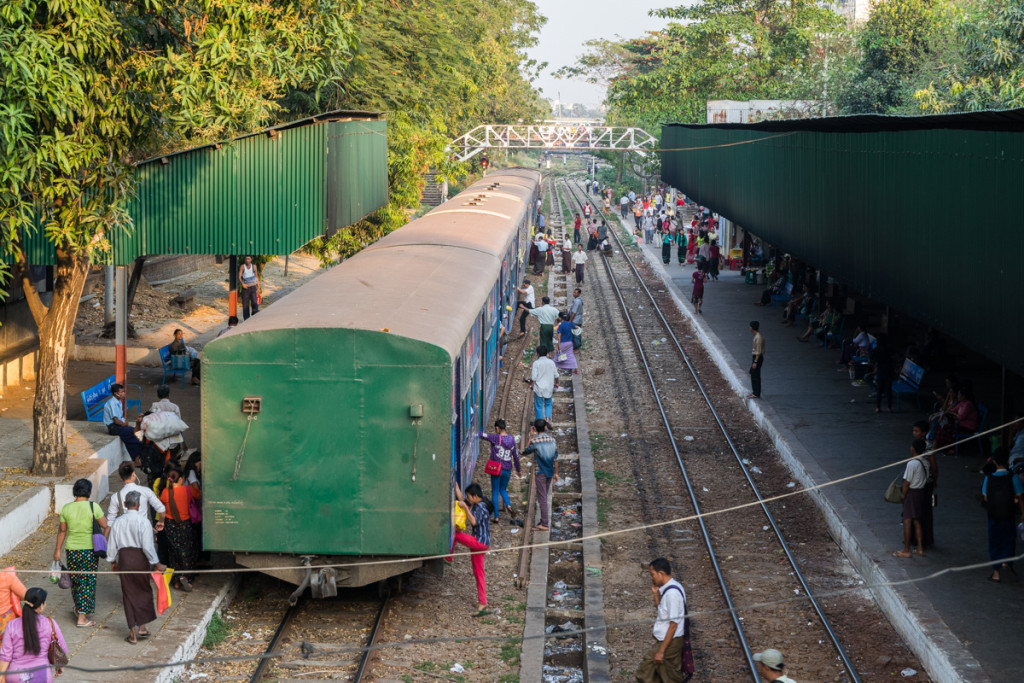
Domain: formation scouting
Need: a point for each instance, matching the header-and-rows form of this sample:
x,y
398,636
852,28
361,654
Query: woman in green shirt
x,y
75,537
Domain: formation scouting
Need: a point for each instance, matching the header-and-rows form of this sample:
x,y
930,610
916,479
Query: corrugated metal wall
x,y
930,222
255,195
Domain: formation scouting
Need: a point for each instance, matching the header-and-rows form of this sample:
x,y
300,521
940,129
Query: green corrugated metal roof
x,y
926,216
268,192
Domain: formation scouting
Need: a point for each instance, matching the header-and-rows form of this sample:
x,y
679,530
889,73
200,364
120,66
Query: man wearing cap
x,y
663,663
770,665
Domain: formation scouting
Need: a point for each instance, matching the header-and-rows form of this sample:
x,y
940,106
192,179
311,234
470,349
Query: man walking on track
x,y
757,360
545,454
546,315
670,660
579,262
542,377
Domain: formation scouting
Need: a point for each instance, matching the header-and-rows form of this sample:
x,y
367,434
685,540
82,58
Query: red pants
x,y
477,559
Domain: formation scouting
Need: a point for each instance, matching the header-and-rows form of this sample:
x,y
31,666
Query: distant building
x,y
855,11
752,111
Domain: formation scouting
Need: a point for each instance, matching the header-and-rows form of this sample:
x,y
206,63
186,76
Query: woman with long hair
x,y
504,452
74,536
175,494
26,642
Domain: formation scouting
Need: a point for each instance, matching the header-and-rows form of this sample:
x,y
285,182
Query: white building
x,y
752,111
855,11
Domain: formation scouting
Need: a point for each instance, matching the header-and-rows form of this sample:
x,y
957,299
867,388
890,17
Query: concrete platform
x,y
962,626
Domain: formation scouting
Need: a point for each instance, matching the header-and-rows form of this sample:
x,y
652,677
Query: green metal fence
x,y
264,193
925,215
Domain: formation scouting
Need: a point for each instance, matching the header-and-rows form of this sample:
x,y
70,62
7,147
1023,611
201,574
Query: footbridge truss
x,y
552,138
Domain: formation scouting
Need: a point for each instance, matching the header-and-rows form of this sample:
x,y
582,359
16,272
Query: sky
x,y
571,23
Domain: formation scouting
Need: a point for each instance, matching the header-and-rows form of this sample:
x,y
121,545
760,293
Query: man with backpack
x,y
1003,496
670,660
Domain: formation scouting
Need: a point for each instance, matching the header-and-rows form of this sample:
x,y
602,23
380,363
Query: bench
x,y
909,382
96,396
174,364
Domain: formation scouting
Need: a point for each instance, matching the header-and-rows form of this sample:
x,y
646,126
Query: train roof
x,y
427,280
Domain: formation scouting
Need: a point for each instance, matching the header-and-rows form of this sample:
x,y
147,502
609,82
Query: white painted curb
x,y
27,512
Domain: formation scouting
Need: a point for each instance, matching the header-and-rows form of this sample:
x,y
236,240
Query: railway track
x,y
331,638
743,558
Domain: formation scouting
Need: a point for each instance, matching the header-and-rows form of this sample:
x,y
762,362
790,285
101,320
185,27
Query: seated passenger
x,y
796,303
963,419
178,347
818,325
860,347
113,419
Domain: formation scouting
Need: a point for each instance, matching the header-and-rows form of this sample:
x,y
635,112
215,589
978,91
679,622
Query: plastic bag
x,y
55,571
460,517
162,425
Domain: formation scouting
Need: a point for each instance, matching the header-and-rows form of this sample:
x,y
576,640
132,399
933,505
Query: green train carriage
x,y
336,421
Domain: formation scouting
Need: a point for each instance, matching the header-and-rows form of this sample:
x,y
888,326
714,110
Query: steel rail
x,y
372,640
679,459
270,652
736,454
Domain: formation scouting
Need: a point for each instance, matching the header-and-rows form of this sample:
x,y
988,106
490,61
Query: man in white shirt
x,y
663,662
547,316
623,205
114,421
579,263
527,302
147,499
130,549
542,377
542,253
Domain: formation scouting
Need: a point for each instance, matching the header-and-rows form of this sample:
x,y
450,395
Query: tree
x,y
989,73
716,49
90,86
437,68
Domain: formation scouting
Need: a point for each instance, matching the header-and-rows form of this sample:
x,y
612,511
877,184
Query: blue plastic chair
x,y
909,382
96,396
174,365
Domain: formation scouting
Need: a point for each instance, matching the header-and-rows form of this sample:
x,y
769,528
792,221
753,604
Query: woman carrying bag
x,y
499,466
33,641
82,535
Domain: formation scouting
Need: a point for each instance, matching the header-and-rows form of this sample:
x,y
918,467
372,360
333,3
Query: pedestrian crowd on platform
x,y
144,530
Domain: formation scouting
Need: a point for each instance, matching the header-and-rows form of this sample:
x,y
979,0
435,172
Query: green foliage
x,y
91,86
989,71
716,49
896,44
510,652
216,631
437,68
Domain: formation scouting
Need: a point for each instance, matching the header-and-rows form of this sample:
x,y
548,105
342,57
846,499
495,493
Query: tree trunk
x,y
49,412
